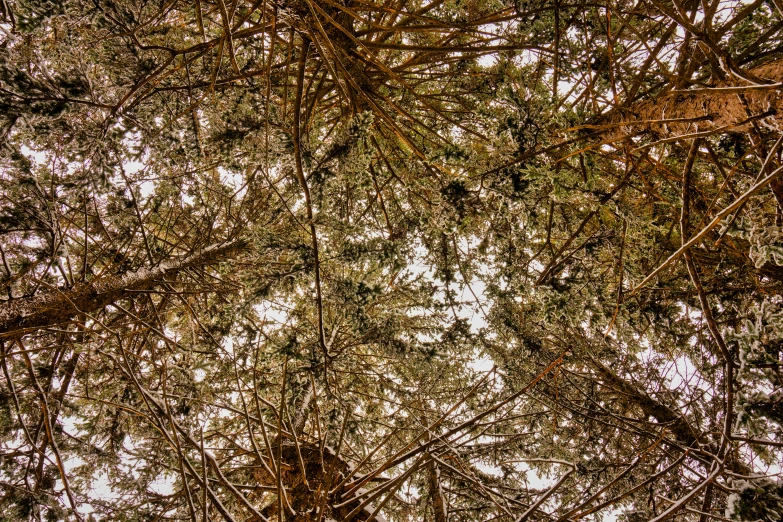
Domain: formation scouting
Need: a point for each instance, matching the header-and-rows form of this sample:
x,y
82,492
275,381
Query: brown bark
x,y
303,411
60,306
314,499
436,492
725,106
674,421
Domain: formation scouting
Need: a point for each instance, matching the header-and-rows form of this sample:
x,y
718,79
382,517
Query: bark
x,y
332,32
314,499
303,411
62,305
674,421
436,492
725,106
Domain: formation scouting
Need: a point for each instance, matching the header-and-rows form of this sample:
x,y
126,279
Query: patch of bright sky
x,y
228,344
678,373
101,488
163,484
274,314
6,30
534,478
774,470
199,375
487,60
145,187
234,180
35,156
481,362
187,199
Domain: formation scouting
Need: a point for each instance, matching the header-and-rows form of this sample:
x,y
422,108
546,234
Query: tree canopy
x,y
442,260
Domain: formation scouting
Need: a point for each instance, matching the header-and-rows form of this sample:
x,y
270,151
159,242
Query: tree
x,y
452,260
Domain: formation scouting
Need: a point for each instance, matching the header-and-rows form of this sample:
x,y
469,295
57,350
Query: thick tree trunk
x,y
60,306
675,422
436,493
723,107
311,492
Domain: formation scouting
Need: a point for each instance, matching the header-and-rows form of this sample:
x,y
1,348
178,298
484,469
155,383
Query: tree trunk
x,y
725,106
311,493
436,492
60,306
675,422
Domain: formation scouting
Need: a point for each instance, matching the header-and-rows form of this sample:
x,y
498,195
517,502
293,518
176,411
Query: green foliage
x,y
757,500
447,259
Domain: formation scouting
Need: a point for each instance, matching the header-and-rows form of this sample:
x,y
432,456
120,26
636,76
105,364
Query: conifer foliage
x,y
365,260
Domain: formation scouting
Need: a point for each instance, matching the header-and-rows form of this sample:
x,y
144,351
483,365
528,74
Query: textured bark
x,y
303,411
725,106
313,499
436,492
60,306
674,421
